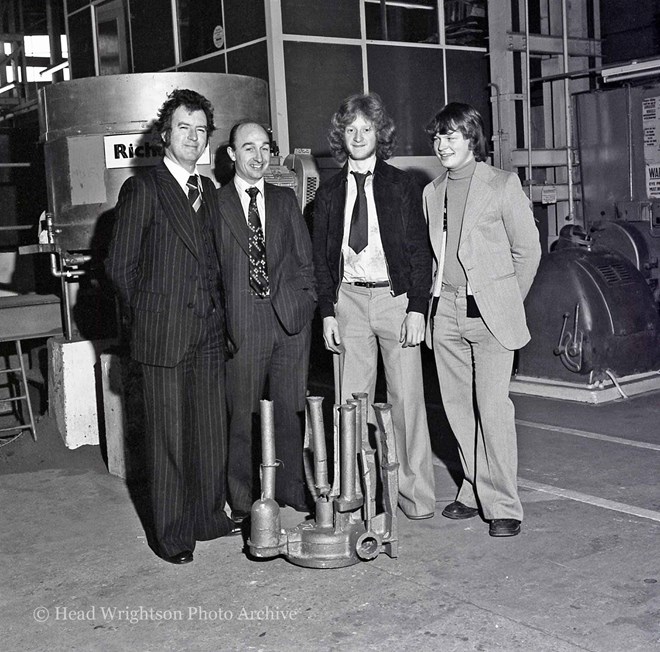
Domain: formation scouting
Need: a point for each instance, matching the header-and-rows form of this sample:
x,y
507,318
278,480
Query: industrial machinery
x,y
619,150
347,527
593,308
592,316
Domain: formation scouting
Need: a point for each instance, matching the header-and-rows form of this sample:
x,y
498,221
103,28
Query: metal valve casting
x,y
348,527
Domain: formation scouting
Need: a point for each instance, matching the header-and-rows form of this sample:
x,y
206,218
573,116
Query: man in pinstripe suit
x,y
269,321
163,264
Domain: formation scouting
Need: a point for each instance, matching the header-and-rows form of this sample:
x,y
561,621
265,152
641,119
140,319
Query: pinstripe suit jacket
x,y
498,248
154,262
288,254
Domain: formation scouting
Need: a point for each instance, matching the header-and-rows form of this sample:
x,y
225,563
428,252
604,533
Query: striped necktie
x,y
194,196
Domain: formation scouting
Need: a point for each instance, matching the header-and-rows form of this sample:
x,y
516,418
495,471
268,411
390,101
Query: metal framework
x,y
533,136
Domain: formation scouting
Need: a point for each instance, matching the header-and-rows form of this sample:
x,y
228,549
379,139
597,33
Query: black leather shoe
x,y
504,527
458,510
238,516
184,557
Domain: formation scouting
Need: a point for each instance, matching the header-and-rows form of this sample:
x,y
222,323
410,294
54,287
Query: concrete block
x,y
114,414
72,388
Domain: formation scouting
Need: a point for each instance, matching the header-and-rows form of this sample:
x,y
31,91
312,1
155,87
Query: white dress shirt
x,y
369,264
241,187
181,174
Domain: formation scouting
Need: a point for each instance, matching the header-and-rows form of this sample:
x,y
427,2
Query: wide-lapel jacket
x,y
288,256
498,248
403,233
154,261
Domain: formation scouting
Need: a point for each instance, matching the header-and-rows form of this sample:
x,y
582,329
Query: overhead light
x,y
59,66
631,70
8,87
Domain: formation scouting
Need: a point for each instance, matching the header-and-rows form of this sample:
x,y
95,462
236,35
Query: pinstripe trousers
x,y
186,427
269,363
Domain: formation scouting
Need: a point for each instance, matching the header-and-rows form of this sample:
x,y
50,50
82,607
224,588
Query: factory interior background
x,y
570,92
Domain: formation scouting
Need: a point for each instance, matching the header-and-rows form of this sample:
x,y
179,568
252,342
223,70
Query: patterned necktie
x,y
357,238
194,197
257,248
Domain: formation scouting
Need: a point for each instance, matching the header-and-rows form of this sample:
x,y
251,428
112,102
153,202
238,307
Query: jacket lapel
x,y
274,222
175,206
231,212
478,199
435,201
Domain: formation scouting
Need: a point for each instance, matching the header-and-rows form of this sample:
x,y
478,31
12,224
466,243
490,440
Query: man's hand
x,y
412,329
331,335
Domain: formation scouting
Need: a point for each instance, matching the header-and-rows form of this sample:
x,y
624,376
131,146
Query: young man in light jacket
x,y
486,252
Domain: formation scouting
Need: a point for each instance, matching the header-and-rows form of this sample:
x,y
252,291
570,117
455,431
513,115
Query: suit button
x,y
190,305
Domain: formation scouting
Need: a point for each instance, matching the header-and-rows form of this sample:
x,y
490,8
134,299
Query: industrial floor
x,y
584,574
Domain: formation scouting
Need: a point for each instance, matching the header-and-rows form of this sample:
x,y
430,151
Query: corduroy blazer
x,y
498,248
288,256
154,263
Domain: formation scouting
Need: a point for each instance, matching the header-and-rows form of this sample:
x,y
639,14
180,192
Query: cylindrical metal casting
x,y
318,443
268,459
348,499
265,529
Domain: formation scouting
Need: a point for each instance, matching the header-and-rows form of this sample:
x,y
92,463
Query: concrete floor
x,y
77,573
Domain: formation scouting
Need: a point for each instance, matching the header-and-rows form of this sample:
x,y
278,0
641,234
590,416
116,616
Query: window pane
x,y
82,45
244,21
72,5
466,22
415,97
251,61
200,28
108,44
37,45
467,81
318,77
338,18
152,37
413,21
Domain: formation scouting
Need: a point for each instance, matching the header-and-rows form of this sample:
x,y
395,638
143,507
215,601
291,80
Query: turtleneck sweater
x,y
458,184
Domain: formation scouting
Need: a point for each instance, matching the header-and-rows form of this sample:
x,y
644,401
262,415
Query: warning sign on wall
x,y
651,125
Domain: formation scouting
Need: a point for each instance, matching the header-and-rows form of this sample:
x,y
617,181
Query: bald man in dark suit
x,y
269,311
162,261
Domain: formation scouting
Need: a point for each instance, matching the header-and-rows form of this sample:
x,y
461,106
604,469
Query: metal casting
x,y
350,524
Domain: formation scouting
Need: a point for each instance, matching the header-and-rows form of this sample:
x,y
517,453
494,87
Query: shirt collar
x,y
242,185
179,173
371,161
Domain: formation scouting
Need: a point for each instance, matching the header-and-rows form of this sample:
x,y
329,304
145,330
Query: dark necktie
x,y
194,197
257,248
357,238
444,214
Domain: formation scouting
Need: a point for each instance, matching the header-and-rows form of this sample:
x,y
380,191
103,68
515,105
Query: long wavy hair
x,y
192,101
371,107
457,116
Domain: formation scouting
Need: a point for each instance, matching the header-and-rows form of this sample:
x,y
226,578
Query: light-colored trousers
x,y
474,372
369,319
